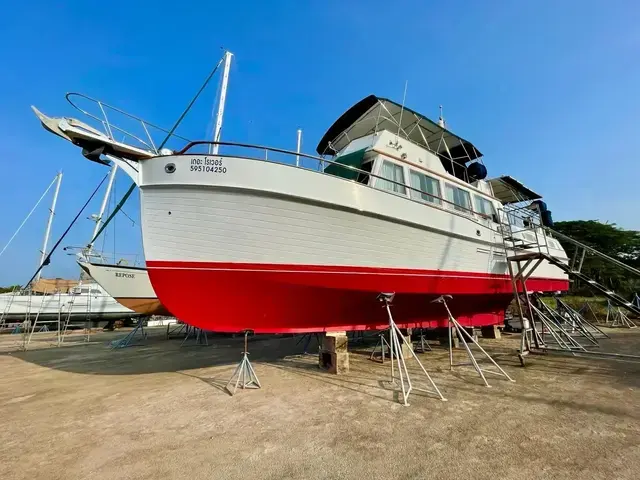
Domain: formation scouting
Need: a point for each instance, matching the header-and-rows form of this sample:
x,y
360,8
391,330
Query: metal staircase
x,y
575,266
525,240
528,269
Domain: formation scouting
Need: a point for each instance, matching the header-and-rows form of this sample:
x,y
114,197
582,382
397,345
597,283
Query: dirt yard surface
x,y
160,410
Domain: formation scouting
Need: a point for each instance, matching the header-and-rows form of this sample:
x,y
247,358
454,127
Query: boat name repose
x,y
125,275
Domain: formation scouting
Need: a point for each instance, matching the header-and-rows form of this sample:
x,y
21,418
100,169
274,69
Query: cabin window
x,y
392,178
364,177
96,292
84,290
429,188
459,199
485,207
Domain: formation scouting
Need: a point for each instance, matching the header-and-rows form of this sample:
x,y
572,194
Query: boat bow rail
x,y
104,116
116,135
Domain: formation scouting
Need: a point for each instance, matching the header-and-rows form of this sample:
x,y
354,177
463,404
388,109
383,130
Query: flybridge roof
x,y
509,190
372,114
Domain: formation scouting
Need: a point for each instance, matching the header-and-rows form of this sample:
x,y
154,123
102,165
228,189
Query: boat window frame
x,y
432,199
465,210
379,177
493,215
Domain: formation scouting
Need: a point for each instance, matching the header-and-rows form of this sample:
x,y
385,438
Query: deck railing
x,y
452,207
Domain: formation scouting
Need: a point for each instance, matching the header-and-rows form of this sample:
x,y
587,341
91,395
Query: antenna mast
x,y
223,97
404,98
441,121
298,148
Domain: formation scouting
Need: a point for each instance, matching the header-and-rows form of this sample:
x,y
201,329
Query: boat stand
x,y
617,317
383,345
423,345
199,334
636,300
126,341
179,329
579,322
244,374
398,360
307,337
463,335
569,329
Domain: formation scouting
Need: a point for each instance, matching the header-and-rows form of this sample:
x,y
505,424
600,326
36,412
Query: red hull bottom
x,y
296,299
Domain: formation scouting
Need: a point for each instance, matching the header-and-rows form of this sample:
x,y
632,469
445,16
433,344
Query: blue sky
x,y
547,90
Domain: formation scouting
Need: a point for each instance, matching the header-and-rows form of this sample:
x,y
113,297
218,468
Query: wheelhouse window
x,y
362,176
392,178
459,199
425,188
485,207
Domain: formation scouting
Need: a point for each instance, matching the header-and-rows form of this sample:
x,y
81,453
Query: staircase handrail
x,y
593,251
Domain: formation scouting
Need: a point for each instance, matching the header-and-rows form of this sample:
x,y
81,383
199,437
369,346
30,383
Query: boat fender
x,y
477,171
542,206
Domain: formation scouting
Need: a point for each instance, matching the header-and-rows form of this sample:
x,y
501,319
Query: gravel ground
x,y
160,410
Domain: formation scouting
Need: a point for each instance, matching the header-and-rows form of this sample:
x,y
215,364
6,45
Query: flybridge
x,y
373,114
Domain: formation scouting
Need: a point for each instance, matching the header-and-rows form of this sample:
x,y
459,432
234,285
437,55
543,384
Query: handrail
x,y
249,145
595,252
324,160
108,126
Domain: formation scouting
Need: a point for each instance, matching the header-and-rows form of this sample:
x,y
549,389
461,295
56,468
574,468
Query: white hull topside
x,y
270,213
121,281
95,306
130,286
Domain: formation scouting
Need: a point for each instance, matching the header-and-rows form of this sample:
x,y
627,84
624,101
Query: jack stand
x,y
383,345
246,376
200,335
620,319
423,346
179,329
126,341
397,357
463,335
307,337
357,336
579,322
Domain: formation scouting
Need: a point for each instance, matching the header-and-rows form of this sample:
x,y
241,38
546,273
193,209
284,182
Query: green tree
x,y
10,288
623,245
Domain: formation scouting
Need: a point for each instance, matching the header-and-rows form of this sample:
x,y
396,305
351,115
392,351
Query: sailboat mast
x,y
223,97
47,232
103,206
